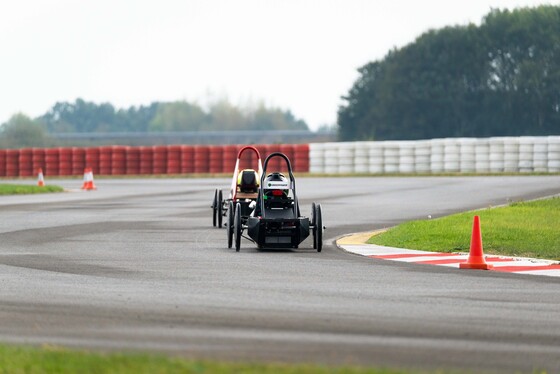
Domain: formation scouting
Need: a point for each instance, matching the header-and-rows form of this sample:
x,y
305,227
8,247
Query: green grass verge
x,y
51,359
18,189
526,229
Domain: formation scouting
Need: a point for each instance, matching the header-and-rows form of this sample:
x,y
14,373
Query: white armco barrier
x,y
450,155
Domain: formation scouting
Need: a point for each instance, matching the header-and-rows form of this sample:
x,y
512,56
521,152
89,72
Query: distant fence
x,y
144,160
196,137
450,155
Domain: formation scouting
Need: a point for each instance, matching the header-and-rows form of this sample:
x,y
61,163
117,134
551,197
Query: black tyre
x,y
220,208
314,224
237,227
318,228
229,224
215,209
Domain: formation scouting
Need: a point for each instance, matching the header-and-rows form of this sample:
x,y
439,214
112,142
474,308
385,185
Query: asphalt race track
x,y
137,265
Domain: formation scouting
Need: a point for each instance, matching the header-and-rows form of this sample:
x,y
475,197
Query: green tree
x,y
263,118
500,78
178,116
80,116
21,131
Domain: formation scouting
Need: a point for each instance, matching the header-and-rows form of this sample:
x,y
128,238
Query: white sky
x,y
300,55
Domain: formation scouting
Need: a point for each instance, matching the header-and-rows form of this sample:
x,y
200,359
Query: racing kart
x,y
275,221
244,189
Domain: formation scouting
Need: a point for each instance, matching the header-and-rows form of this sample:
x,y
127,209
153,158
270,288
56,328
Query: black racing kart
x,y
275,221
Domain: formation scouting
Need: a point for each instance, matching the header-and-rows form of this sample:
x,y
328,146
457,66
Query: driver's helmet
x,y
248,180
276,182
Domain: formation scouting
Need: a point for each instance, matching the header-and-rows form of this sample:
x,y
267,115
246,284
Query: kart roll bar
x,y
233,191
292,182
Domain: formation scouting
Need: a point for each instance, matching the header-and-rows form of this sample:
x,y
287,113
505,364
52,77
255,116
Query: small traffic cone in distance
x,y
88,180
90,185
84,185
476,256
40,178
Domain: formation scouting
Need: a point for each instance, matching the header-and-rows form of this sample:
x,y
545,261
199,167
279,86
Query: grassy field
x,y
48,359
17,189
526,229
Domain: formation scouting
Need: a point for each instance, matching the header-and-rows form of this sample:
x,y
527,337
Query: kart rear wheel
x,y
214,209
220,208
313,224
237,227
318,229
229,224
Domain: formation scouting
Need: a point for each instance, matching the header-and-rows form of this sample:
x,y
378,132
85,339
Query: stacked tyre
x,y
201,159
118,160
51,162
92,159
105,160
301,158
187,159
216,159
2,162
553,154
160,160
174,159
25,162
132,160
146,160
78,160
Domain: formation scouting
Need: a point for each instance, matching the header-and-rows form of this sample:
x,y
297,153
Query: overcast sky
x,y
300,55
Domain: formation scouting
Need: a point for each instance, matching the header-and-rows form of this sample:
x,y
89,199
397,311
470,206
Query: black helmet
x,y
275,177
275,182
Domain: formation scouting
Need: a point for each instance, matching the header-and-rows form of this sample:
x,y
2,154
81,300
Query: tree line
x,y
501,78
82,116
88,117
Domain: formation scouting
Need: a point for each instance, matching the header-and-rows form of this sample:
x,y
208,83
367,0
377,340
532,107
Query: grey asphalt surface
x,y
136,265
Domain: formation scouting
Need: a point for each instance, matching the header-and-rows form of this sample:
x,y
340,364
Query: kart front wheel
x,y
215,209
237,227
229,224
318,228
313,224
220,208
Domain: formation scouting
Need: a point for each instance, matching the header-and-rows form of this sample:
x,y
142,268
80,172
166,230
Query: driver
x,y
273,180
275,187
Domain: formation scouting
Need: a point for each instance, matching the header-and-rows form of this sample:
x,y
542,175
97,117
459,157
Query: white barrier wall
x,y
524,154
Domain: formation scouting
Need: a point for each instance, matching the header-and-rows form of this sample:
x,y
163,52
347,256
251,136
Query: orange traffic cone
x,y
476,255
84,185
88,182
40,178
